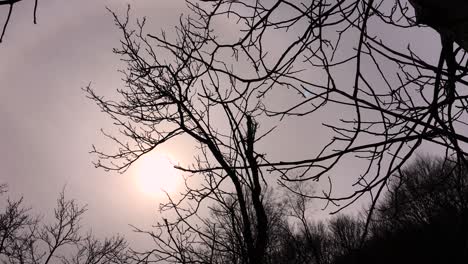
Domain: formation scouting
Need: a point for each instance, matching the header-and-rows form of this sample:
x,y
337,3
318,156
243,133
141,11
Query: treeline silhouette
x,y
422,218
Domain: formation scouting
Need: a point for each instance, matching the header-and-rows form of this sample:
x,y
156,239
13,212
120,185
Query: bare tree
x,y
225,223
94,251
421,219
10,4
25,240
346,233
161,103
15,226
448,18
423,191
216,90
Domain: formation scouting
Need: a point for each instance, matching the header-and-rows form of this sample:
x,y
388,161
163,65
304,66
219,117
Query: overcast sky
x,y
48,126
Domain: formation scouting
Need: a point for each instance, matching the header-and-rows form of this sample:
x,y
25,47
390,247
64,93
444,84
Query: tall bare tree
x,y
336,57
165,100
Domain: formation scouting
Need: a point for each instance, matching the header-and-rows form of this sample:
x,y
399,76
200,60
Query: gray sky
x,y
48,126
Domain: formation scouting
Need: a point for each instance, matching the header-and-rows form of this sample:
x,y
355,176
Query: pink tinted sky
x,y
48,126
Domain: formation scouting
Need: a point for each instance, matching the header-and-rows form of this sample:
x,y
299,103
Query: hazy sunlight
x,y
155,173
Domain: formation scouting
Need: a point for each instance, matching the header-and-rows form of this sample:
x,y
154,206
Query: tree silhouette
x,y
216,90
448,17
427,188
422,218
25,240
11,4
15,224
346,235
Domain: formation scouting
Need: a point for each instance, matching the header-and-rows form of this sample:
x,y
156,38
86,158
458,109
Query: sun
x,y
155,175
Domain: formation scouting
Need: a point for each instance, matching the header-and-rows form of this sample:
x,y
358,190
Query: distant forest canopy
x,y
422,219
11,4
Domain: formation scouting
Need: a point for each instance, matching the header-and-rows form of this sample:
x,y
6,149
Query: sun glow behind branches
x,y
155,174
